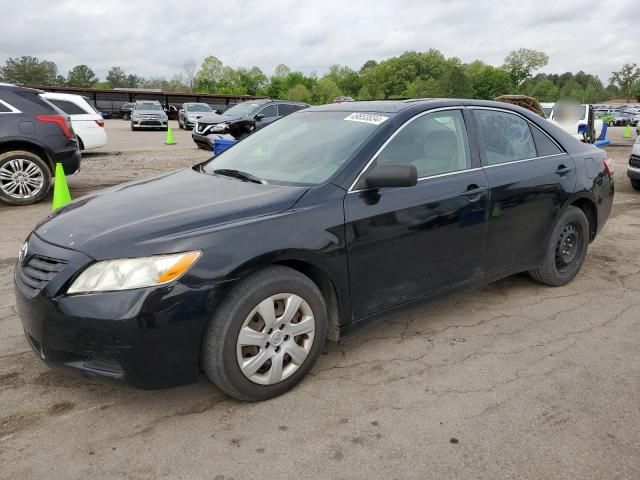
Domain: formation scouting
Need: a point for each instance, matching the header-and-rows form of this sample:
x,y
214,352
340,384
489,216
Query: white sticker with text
x,y
373,118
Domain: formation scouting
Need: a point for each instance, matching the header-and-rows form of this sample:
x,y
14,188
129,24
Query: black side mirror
x,y
219,112
258,117
383,176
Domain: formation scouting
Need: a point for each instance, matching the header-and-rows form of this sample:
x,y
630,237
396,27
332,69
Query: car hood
x,y
163,214
217,118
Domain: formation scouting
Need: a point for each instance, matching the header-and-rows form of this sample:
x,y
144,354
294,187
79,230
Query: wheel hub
x,y
568,247
21,178
276,338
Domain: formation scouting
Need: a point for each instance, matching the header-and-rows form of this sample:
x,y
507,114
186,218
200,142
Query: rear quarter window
x,y
544,145
68,107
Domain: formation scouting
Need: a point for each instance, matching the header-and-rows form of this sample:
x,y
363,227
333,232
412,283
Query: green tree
x,y
625,79
117,77
347,80
281,71
81,76
209,75
545,91
487,82
520,64
325,91
30,71
299,93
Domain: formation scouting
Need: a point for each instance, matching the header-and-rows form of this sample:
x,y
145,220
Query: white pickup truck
x,y
577,120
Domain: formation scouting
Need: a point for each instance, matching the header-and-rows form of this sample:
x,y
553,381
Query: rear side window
x,y
286,109
507,137
35,104
544,145
67,107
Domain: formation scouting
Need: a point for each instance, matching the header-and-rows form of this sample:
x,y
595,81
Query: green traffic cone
x,y
170,140
61,195
627,132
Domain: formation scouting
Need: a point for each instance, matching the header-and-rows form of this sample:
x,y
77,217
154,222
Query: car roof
x,y
16,88
396,106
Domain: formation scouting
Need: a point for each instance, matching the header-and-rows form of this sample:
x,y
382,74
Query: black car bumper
x,y
70,160
203,141
148,338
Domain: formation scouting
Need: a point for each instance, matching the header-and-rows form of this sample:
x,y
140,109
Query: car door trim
x,y
393,135
10,107
524,160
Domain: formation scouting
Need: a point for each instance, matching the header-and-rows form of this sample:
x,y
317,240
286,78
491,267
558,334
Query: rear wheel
x,y
24,178
266,335
635,184
566,250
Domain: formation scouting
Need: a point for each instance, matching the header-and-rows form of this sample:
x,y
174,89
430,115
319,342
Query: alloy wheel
x,y
21,178
275,338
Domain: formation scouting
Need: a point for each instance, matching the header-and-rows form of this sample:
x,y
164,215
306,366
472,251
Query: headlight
x,y
135,115
191,118
219,127
128,273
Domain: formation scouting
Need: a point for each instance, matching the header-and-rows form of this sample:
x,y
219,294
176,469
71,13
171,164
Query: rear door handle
x,y
562,170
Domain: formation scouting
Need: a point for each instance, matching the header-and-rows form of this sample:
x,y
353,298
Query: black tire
x,y
635,184
219,354
566,250
41,165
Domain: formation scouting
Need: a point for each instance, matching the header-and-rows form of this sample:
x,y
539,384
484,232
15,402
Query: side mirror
x,y
258,117
383,176
219,112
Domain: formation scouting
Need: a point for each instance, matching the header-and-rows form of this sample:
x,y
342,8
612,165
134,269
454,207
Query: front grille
x,y
38,272
634,161
150,116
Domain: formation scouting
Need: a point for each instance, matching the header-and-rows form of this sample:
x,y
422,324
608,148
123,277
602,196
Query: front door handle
x,y
474,192
563,170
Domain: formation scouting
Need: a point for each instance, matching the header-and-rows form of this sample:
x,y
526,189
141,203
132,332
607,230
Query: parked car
x,y
87,123
148,114
241,120
126,109
189,114
547,107
622,119
34,136
633,170
313,226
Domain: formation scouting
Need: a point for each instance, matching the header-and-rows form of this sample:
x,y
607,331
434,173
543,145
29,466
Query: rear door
x,y
530,179
406,243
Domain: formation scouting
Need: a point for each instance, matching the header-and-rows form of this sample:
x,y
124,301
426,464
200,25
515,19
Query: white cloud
x,y
155,37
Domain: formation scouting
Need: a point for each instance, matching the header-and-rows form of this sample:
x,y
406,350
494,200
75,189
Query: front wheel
x,y
266,335
566,249
635,184
24,178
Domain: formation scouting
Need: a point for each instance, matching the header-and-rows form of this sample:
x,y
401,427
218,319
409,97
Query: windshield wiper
x,y
244,176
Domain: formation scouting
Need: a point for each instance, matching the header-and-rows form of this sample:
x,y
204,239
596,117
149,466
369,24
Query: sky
x,y
156,37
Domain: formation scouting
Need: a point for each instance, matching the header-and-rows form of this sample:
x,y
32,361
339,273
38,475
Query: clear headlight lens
x,y
135,115
128,273
219,127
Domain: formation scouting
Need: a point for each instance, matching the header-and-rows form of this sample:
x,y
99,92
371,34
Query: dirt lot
x,y
514,380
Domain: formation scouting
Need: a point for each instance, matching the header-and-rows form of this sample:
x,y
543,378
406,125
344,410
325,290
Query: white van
x,y
85,120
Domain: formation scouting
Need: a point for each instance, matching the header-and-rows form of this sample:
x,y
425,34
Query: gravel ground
x,y
514,380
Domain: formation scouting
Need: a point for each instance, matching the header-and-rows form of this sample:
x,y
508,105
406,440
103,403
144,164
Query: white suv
x,y
85,120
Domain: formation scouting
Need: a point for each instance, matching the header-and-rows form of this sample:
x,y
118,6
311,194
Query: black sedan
x,y
322,222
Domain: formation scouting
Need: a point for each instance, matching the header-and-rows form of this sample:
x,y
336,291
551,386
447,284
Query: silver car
x,y
633,170
148,114
190,113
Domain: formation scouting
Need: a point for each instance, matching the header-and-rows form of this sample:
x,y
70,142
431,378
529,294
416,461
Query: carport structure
x,y
111,100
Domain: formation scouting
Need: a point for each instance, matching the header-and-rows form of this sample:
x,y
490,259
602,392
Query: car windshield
x,y
198,107
243,109
148,106
305,148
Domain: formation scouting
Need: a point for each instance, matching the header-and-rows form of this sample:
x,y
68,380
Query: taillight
x,y
100,123
608,166
64,124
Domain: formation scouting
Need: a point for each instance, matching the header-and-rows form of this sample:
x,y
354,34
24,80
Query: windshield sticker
x,y
367,118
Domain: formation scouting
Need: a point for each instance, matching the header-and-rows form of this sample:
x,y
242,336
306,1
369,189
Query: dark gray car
x,y
34,136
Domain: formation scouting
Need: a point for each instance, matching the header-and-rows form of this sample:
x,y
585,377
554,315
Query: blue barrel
x,y
220,145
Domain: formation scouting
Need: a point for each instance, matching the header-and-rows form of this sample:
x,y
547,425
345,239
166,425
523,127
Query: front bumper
x,y
150,123
148,338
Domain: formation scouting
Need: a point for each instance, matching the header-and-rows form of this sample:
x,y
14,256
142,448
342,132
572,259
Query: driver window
x,y
269,112
434,143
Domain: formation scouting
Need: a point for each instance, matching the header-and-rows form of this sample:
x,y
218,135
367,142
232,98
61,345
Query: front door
x,y
407,243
